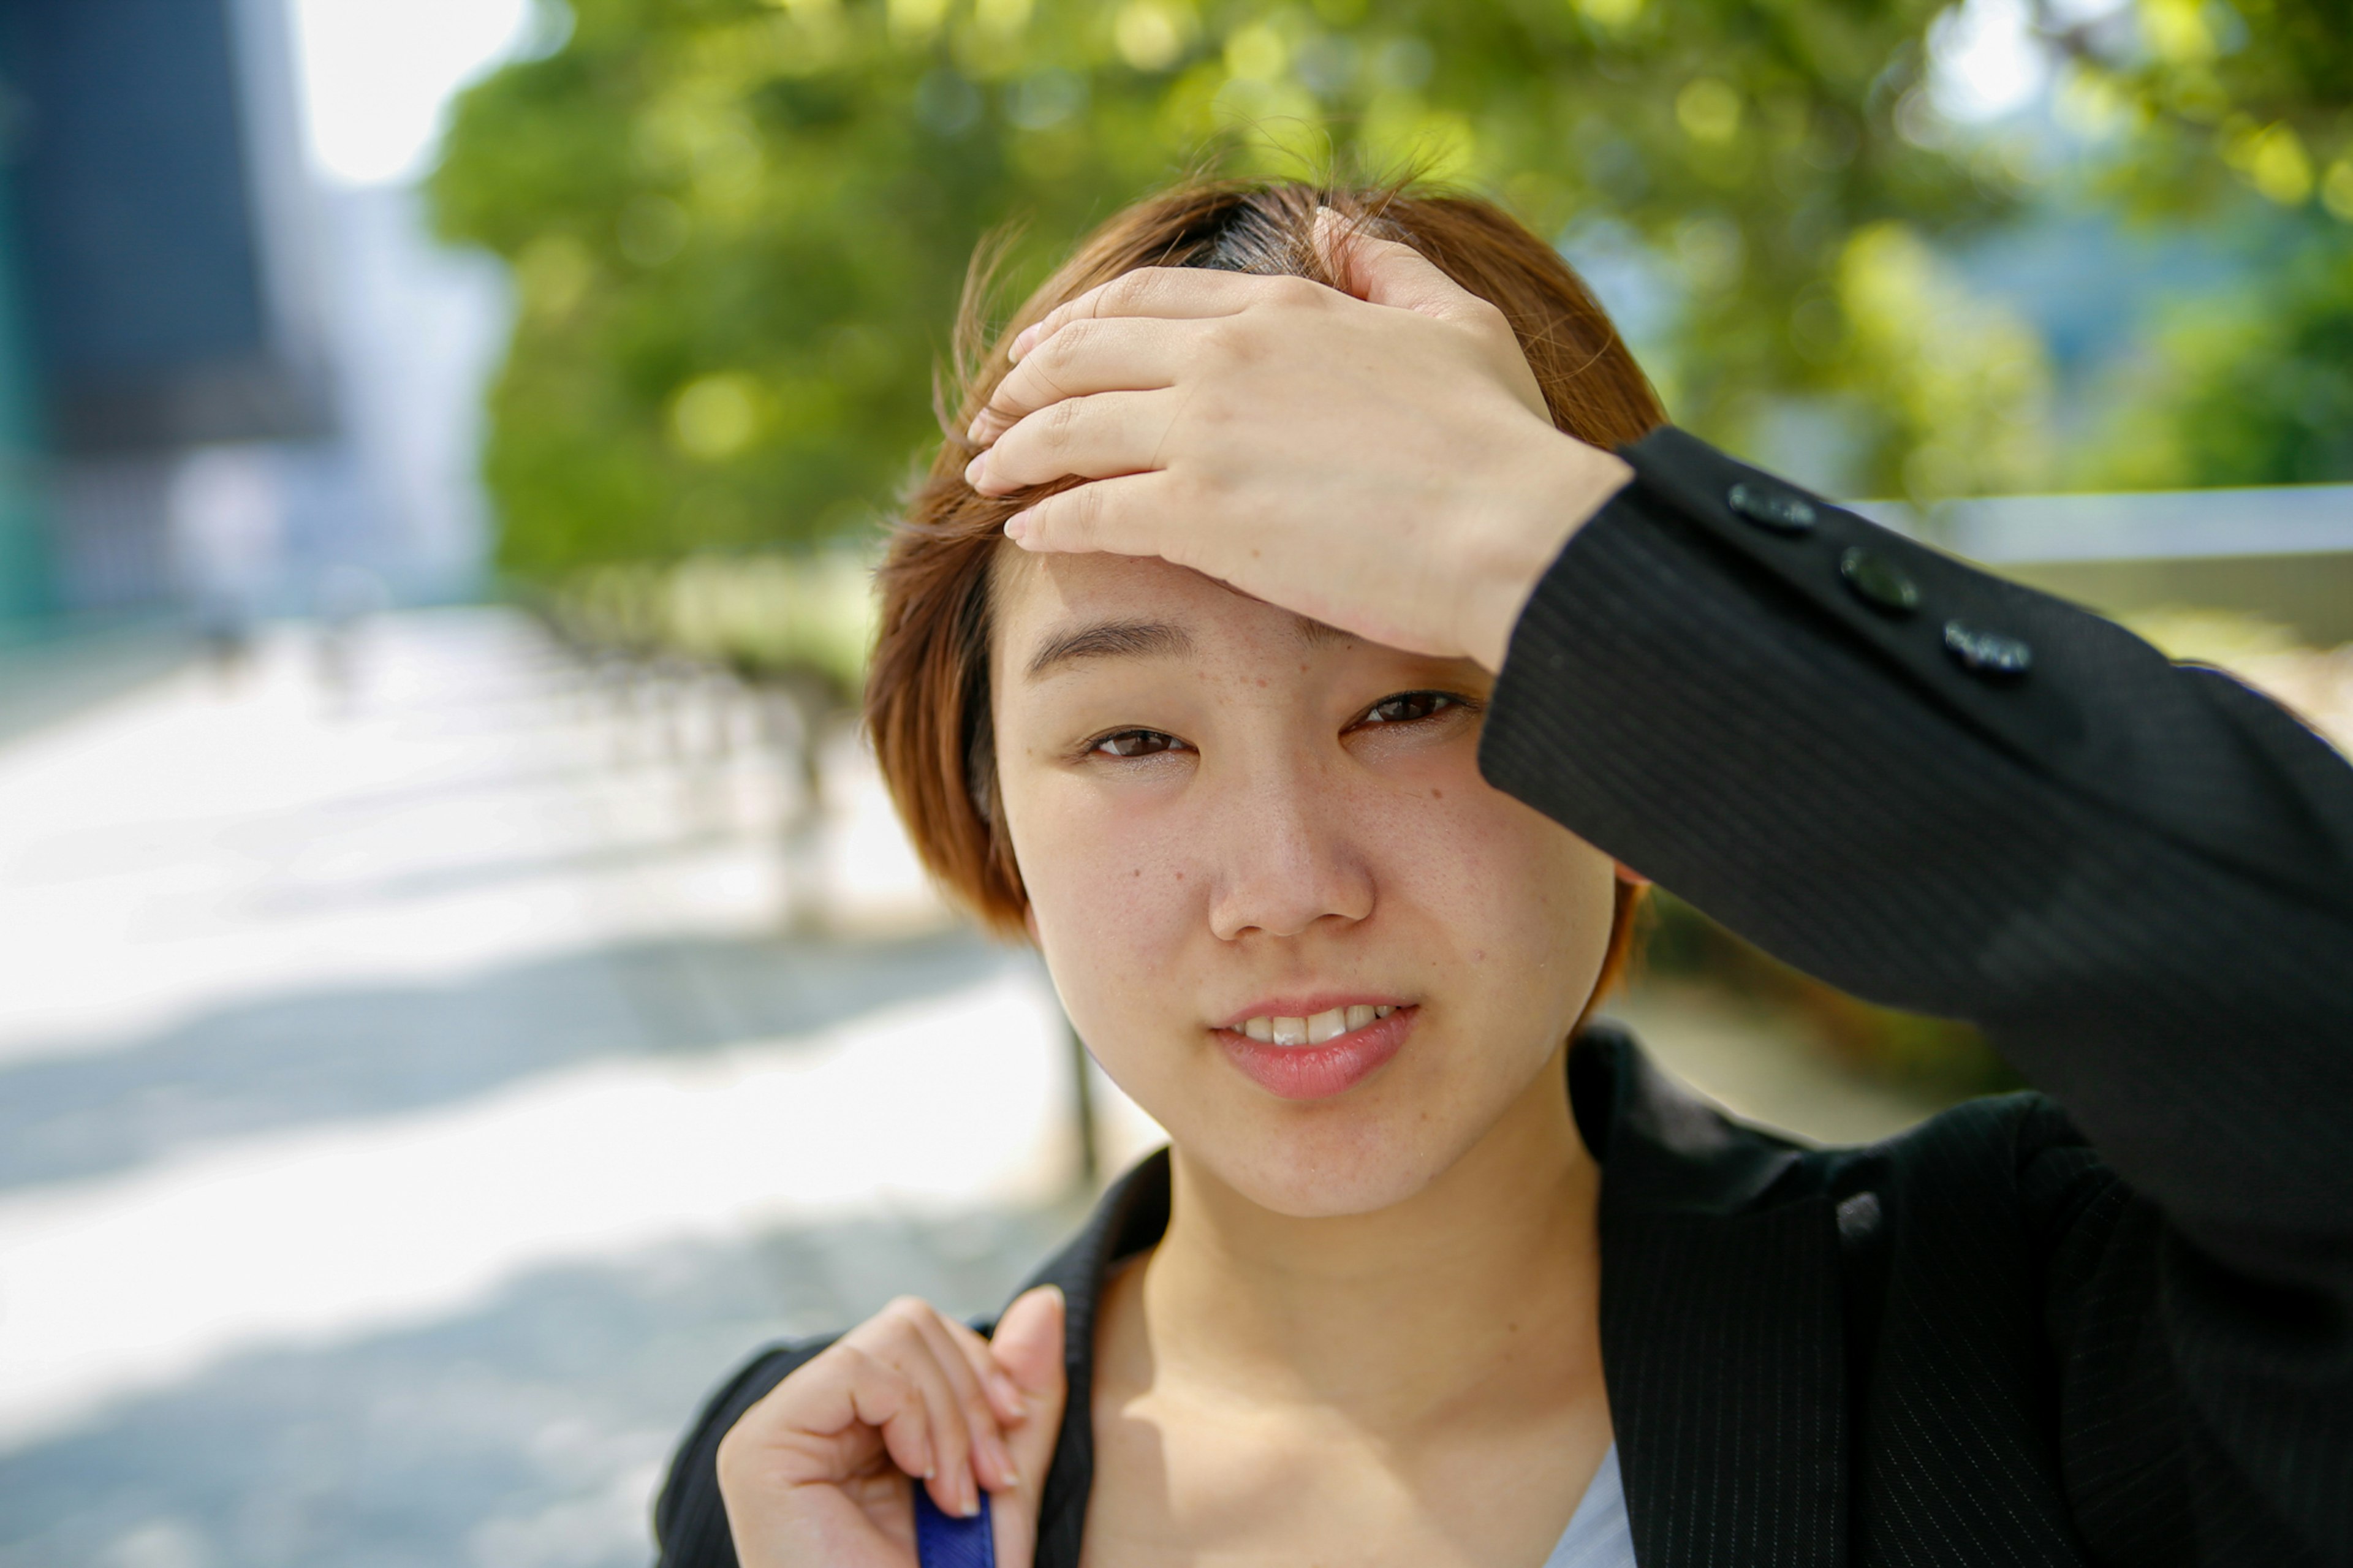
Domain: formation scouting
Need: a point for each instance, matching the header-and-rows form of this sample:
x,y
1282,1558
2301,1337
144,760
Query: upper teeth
x,y
1311,1031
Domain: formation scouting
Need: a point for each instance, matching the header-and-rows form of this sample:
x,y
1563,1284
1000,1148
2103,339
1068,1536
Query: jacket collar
x,y
1722,1332
1721,1337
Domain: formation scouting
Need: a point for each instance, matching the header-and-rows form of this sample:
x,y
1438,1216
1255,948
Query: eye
x,y
1407,707
1135,743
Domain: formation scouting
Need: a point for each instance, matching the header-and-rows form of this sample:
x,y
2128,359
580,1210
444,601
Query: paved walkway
x,y
411,1100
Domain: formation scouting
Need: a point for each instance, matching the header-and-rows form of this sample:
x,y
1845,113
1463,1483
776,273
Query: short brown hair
x,y
927,689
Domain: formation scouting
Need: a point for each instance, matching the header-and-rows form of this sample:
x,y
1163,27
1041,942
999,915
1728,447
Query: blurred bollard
x,y
1083,1112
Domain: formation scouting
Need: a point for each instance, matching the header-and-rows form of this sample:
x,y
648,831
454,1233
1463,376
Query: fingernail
x,y
972,431
1022,344
974,470
1016,526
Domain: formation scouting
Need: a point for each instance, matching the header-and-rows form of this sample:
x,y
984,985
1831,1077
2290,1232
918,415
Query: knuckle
x,y
1130,291
1115,297
1206,420
870,1368
1299,293
1192,494
1489,319
1057,351
1005,398
1230,338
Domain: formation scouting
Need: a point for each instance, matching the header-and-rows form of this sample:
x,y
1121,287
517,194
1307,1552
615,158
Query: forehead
x,y
1034,598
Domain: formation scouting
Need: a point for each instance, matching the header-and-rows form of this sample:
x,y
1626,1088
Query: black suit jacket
x,y
2120,1332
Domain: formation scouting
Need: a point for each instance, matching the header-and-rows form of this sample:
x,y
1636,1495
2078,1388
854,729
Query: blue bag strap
x,y
943,1541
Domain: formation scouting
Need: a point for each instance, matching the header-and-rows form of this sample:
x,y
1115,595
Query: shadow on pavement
x,y
477,875
287,1060
530,1431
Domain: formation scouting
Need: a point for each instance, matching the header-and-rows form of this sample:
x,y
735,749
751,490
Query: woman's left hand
x,y
816,1474
1379,460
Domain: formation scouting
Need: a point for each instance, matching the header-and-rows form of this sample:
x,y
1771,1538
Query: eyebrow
x,y
1110,639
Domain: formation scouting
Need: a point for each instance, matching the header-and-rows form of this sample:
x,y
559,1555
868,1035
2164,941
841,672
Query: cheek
x,y
1518,899
1115,887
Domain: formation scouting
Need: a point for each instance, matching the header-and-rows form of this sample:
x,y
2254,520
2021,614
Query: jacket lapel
x,y
1721,1335
1132,1215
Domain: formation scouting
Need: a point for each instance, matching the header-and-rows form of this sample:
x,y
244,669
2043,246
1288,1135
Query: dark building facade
x,y
159,282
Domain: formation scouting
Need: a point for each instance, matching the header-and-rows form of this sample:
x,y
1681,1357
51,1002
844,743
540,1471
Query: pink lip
x,y
1318,1072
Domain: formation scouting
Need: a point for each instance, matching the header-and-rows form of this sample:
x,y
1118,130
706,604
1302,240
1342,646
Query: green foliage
x,y
2249,390
2204,97
739,229
739,226
766,618
2196,111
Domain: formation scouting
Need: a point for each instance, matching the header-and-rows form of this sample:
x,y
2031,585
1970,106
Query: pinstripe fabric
x,y
2138,879
1991,1341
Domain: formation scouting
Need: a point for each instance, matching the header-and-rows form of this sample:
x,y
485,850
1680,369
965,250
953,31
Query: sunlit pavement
x,y
411,1100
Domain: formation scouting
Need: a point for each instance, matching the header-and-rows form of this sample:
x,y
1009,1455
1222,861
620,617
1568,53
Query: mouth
x,y
1315,1053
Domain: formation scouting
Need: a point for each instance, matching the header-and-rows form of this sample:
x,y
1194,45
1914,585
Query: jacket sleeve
x,y
1945,792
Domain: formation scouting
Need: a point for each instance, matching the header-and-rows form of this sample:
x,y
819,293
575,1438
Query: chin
x,y
1327,1172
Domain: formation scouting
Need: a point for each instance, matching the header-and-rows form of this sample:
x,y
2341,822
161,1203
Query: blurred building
x,y
224,391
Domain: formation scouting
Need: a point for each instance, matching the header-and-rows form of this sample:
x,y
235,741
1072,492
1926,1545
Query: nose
x,y
1287,858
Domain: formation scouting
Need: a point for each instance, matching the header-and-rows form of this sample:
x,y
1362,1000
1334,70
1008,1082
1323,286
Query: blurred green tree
x,y
738,226
2196,111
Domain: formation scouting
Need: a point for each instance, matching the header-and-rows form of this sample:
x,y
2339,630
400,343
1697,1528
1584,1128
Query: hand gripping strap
x,y
942,1541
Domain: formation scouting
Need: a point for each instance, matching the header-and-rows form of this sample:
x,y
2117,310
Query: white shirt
x,y
1598,1535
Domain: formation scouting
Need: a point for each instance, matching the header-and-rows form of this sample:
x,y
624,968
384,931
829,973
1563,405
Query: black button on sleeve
x,y
1879,582
1776,510
1989,654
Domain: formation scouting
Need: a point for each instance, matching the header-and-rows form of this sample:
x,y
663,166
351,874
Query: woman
x,y
1321,737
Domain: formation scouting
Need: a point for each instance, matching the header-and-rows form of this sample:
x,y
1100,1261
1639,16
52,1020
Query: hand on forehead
x,y
1365,456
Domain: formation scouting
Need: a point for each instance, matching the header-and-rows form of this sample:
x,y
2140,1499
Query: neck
x,y
1314,1309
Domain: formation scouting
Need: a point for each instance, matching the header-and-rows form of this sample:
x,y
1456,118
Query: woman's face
x,y
1231,822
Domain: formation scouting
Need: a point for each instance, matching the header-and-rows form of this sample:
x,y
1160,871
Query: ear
x,y
1630,877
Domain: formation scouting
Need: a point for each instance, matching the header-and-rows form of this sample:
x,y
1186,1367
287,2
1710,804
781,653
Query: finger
x,y
1116,515
1028,1345
1004,1394
1165,291
1091,437
953,1483
898,1341
1384,272
1114,355
992,1466
855,1387
1029,1348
